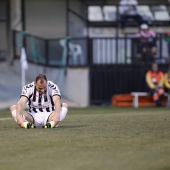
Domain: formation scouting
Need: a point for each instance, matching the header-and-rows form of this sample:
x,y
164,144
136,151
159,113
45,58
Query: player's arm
x,y
149,81
161,83
57,104
20,107
167,84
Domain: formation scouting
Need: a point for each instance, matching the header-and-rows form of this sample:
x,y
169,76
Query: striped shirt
x,y
40,102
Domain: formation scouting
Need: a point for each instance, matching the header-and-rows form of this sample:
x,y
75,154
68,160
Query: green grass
x,y
95,138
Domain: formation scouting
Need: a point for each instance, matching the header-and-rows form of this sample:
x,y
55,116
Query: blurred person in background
x,y
167,39
128,9
167,80
146,39
155,82
45,109
167,85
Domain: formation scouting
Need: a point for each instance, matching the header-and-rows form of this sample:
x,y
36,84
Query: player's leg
x,y
161,93
156,98
24,114
63,113
13,111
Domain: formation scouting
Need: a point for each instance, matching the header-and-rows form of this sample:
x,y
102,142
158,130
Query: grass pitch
x,y
95,138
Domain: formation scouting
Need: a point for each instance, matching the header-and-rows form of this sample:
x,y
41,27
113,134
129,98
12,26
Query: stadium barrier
x,y
82,51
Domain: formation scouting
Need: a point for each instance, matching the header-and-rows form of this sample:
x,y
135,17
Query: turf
x,y
95,138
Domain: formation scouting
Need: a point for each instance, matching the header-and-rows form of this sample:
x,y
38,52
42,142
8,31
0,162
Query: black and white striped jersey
x,y
38,102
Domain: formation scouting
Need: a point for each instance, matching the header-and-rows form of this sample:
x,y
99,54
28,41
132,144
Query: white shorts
x,y
41,118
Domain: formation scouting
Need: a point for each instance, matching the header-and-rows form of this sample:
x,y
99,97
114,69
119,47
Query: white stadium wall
x,y
74,86
77,86
45,18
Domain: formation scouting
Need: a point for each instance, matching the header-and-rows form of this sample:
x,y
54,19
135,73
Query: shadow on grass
x,y
70,126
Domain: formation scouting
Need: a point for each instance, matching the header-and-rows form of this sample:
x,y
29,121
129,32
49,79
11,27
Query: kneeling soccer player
x,y
45,109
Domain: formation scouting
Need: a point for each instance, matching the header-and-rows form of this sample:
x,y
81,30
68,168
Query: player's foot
x,y
27,125
33,126
49,125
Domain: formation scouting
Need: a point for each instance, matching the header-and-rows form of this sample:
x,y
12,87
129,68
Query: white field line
x,y
5,119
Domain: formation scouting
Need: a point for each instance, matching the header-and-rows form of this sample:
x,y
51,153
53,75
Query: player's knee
x,y
65,105
13,107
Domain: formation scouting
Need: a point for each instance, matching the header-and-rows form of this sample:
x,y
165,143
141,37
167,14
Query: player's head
x,y
154,67
41,83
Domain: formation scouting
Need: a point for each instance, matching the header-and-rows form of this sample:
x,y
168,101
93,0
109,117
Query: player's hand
x,y
56,119
20,121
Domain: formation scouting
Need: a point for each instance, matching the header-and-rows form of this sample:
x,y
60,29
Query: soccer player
x,y
155,82
45,109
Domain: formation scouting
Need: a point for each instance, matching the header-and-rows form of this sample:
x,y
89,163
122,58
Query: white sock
x,y
14,112
63,113
14,115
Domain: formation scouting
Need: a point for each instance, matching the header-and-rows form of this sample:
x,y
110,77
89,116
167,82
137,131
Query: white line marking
x,y
5,118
